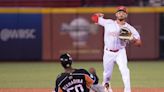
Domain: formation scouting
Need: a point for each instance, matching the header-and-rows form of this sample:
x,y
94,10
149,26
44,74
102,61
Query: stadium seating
x,y
64,3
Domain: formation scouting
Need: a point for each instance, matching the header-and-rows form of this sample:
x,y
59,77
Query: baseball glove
x,y
125,34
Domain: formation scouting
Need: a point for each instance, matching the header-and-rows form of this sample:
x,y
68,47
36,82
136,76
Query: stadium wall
x,y
59,30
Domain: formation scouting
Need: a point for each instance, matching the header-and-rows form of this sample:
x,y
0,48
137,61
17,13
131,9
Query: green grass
x,y
43,75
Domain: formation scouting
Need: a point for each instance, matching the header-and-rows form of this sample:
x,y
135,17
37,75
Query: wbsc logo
x,y
10,34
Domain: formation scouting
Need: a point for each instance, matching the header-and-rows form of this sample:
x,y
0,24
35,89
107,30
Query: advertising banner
x,y
20,36
76,35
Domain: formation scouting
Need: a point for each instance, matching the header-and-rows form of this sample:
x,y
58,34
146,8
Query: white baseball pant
x,y
120,57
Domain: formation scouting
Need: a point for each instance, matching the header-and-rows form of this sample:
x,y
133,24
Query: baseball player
x,y
73,80
96,86
114,47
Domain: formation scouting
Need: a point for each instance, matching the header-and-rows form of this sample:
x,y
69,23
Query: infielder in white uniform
x,y
114,48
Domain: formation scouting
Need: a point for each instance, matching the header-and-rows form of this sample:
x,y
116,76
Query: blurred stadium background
x,y
33,33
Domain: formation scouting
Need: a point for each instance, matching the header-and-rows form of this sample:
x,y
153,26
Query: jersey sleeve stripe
x,y
89,80
62,81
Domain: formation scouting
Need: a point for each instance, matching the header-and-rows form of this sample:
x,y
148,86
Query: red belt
x,y
112,50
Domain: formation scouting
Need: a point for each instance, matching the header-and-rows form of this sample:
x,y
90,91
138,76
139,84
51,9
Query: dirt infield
x,y
50,90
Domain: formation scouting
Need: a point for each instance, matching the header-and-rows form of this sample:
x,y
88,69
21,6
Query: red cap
x,y
122,8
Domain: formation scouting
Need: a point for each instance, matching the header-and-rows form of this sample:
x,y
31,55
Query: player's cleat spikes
x,y
108,87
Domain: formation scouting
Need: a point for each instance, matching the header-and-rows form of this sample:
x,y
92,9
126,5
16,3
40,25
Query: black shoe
x,y
106,85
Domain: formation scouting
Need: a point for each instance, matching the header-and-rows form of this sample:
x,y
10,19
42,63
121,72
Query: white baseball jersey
x,y
114,50
111,33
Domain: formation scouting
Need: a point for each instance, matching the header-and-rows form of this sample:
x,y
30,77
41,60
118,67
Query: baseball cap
x,y
121,8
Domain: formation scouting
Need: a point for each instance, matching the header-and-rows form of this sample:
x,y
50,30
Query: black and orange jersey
x,y
96,79
78,81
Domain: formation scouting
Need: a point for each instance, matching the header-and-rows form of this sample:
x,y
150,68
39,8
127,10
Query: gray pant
x,y
97,88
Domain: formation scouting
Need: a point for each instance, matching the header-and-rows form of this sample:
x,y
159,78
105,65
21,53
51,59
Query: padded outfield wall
x,y
45,33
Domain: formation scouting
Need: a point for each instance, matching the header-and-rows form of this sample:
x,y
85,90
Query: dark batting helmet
x,y
66,60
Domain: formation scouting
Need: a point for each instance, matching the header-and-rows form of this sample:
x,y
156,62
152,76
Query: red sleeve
x,y
94,18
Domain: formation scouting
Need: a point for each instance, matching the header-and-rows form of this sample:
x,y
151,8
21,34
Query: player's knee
x,y
128,71
125,71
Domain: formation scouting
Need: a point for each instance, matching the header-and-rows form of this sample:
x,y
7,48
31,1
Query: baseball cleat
x,y
107,87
